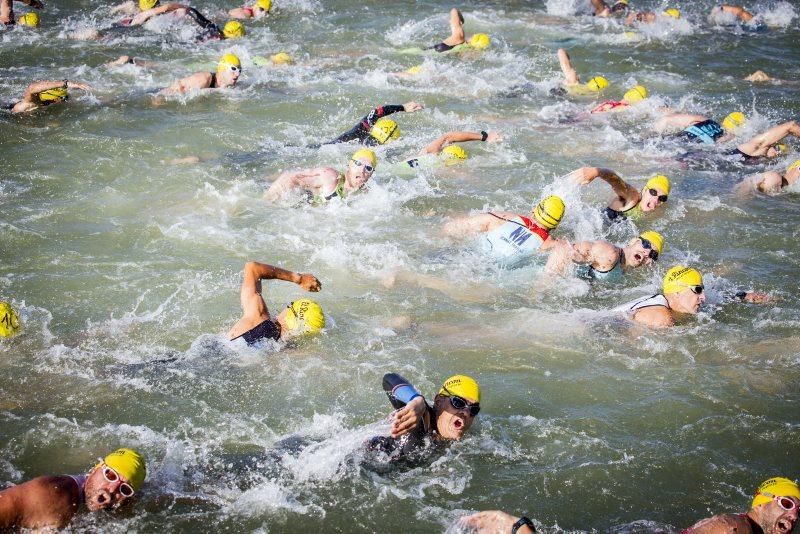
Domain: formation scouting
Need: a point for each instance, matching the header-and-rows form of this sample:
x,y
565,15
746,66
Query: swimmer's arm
x,y
768,182
37,87
570,74
760,144
47,501
456,28
721,523
382,111
144,16
654,316
198,80
623,190
128,8
250,294
459,137
406,418
466,226
310,180
752,297
738,11
563,253
493,521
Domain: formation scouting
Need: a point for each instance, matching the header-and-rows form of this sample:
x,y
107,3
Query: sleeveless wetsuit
x,y
643,302
265,330
514,241
80,480
338,191
747,159
213,81
361,130
614,274
631,213
706,132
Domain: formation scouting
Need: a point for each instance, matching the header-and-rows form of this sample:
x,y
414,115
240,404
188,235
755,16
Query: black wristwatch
x,y
522,521
484,135
66,84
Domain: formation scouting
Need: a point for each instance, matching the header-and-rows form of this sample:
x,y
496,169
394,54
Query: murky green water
x,y
125,269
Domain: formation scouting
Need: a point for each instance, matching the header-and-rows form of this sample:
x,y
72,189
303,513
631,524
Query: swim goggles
x,y
234,68
653,255
359,163
654,192
696,289
784,502
460,404
125,489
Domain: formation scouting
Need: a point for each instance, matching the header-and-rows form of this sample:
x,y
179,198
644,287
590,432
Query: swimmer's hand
x,y
754,297
82,86
493,137
492,521
411,107
309,282
584,175
406,418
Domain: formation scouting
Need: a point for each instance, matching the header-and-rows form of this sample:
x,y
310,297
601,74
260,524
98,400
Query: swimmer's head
x,y
29,19
56,94
266,5
304,316
129,464
673,12
775,487
655,240
9,322
453,154
480,41
654,193
384,130
680,278
777,149
233,29
281,58
795,165
660,182
416,69
365,154
549,212
637,94
144,5
229,62
620,6
461,386
733,120
598,83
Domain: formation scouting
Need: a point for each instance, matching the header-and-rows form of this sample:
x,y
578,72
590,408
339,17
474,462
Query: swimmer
x,y
767,144
375,128
699,128
46,93
603,261
457,41
496,521
153,8
30,19
257,10
601,8
629,202
228,71
7,10
770,182
649,17
572,82
682,293
631,97
130,60
449,152
303,316
508,237
774,510
416,425
326,183
737,11
9,320
51,501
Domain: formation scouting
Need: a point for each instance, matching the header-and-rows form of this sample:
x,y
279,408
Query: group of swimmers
x,y
510,238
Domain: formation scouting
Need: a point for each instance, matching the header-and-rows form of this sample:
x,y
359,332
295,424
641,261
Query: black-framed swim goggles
x,y
653,254
696,289
367,166
654,192
460,404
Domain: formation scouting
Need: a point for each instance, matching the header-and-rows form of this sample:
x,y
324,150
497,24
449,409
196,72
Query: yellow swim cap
x,y
129,464
233,29
305,317
781,148
680,278
673,12
637,94
281,58
480,41
384,130
29,19
549,212
656,239
9,322
733,120
598,83
144,5
227,61
775,487
461,386
368,154
795,165
53,95
453,154
264,4
416,69
660,182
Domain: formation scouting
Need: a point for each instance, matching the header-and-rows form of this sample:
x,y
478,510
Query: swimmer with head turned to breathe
x,y
46,93
227,74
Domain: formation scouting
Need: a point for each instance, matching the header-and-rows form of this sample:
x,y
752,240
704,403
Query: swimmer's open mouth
x,y
784,525
458,423
637,257
101,499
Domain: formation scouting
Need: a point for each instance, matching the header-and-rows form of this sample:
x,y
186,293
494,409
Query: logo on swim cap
x,y
549,212
29,19
453,154
480,41
659,182
264,4
672,12
366,153
129,464
733,120
304,316
9,322
53,95
384,130
233,29
637,94
679,278
598,83
144,5
775,487
462,386
227,61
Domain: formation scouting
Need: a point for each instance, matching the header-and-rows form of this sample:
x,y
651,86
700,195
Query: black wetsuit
x,y
361,130
210,30
441,47
707,131
265,330
747,159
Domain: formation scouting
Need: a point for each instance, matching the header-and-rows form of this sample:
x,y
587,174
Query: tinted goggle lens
x,y
649,246
786,503
367,166
661,198
460,404
697,290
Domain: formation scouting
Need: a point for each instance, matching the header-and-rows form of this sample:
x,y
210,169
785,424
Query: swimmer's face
x,y
687,301
361,170
776,520
636,254
104,494
228,75
651,198
452,423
